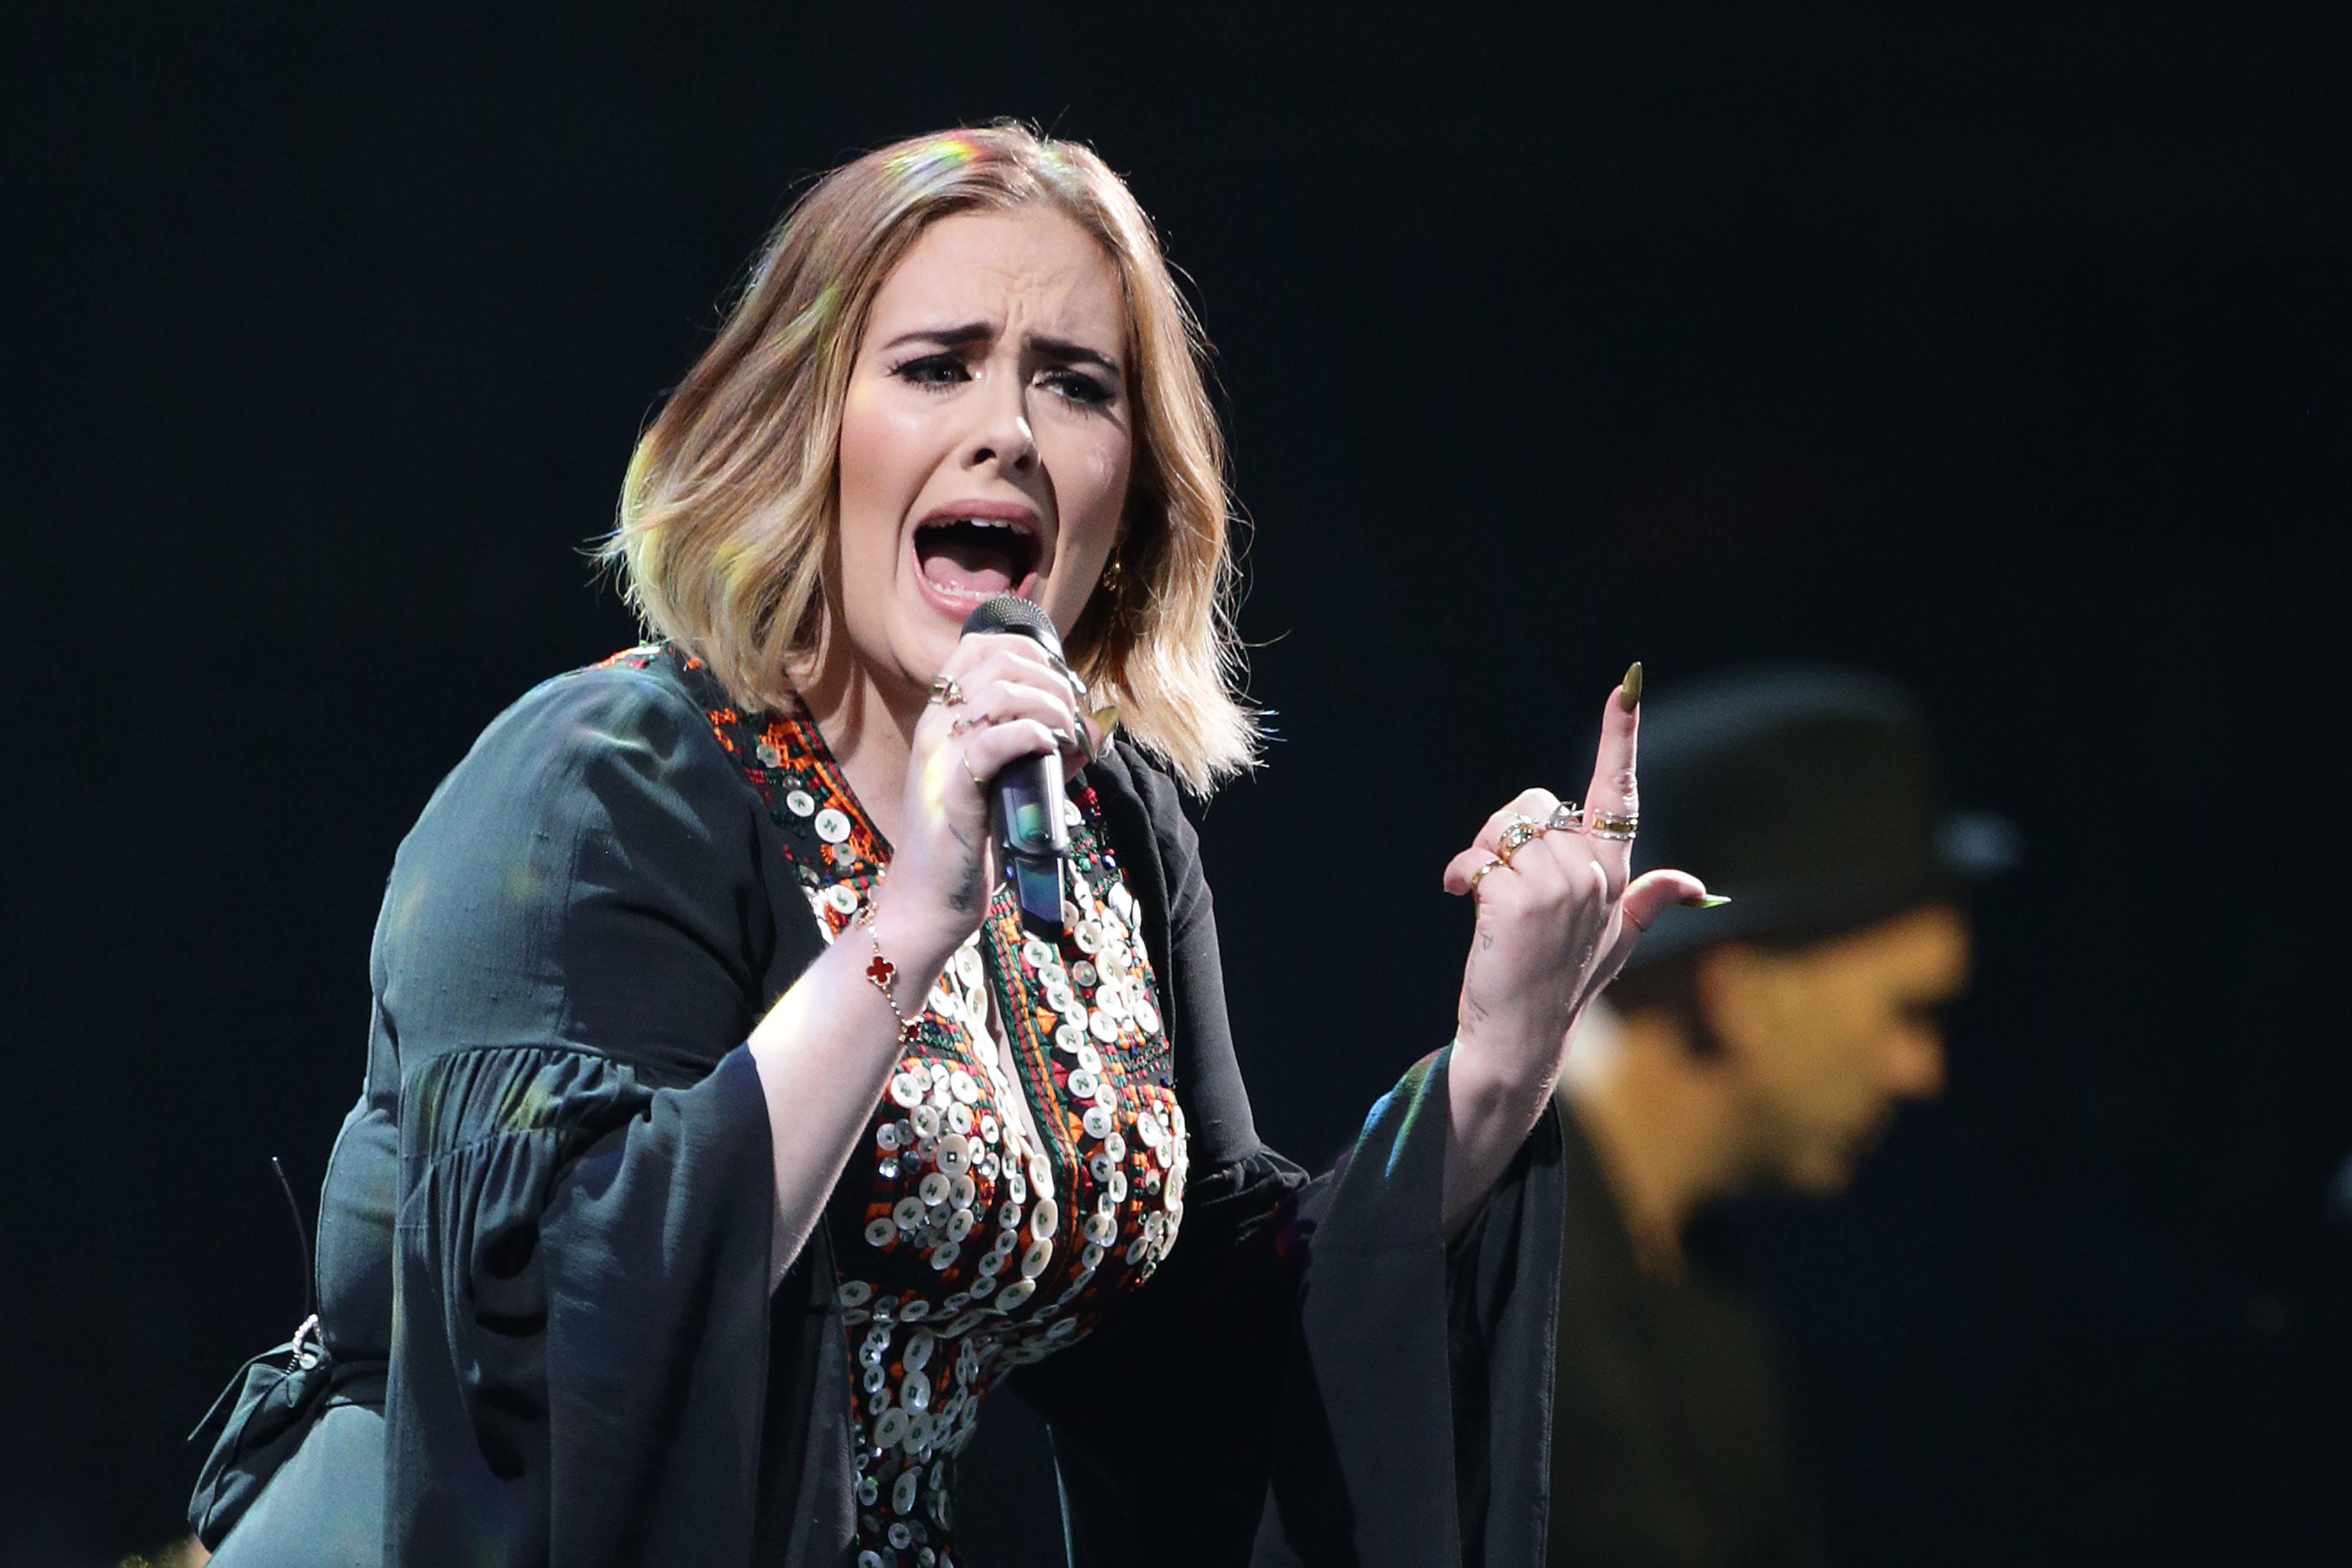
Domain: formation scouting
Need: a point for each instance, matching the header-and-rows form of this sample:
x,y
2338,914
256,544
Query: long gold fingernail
x,y
1707,900
1629,695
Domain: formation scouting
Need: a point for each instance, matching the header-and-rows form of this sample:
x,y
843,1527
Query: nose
x,y
1001,436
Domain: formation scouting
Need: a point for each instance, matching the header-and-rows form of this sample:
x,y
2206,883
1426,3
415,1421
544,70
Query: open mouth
x,y
971,559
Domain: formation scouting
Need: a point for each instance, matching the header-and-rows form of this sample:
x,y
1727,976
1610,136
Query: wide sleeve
x,y
1331,1383
573,948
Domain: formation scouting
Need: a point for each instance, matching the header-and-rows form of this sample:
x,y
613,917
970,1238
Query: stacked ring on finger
x,y
945,692
1517,836
1619,825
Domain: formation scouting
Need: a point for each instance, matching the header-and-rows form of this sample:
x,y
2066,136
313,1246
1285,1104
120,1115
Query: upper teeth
x,y
985,522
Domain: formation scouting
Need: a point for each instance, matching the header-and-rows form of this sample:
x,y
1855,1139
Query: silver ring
x,y
1568,817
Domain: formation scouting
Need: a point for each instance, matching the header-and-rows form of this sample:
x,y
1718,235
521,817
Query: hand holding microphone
x,y
1026,801
986,796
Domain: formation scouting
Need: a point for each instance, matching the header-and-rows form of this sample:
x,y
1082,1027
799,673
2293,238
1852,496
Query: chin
x,y
1824,1175
926,641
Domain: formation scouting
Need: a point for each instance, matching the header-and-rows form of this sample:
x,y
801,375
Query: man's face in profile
x,y
1825,1041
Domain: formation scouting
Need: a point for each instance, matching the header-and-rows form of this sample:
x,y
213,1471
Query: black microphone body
x,y
1025,800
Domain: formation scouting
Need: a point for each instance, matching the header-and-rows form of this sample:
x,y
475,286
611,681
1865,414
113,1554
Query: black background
x,y
2003,349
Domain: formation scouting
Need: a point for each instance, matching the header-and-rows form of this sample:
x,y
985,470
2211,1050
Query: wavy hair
x,y
730,499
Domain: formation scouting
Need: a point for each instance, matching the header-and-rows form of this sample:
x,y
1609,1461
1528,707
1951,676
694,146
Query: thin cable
x,y
302,1241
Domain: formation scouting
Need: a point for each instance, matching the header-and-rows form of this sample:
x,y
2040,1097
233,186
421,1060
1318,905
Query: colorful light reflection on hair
x,y
948,152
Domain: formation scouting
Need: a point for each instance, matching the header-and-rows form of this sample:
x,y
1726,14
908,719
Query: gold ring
x,y
964,721
1480,874
945,692
977,782
1516,838
1619,825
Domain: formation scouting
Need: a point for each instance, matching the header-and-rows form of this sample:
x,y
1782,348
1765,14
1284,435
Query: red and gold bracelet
x,y
884,974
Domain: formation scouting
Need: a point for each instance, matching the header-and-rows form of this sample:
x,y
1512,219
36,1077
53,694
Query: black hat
x,y
1811,796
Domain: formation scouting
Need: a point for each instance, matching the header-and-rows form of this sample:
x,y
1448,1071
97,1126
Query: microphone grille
x,y
1011,612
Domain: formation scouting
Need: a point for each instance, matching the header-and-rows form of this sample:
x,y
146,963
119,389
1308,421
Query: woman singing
x,y
726,1135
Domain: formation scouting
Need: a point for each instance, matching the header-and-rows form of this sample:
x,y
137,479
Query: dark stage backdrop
x,y
2003,350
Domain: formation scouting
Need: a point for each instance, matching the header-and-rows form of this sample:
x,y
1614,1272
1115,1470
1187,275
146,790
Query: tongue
x,y
963,564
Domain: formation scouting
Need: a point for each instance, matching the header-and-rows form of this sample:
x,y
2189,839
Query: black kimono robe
x,y
545,1233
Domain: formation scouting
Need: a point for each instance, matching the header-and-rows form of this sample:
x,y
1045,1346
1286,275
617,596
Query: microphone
x,y
1025,799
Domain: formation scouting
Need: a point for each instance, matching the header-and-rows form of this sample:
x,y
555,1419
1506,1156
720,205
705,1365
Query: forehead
x,y
1923,952
1032,269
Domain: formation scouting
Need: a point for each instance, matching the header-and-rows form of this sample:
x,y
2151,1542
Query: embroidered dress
x,y
965,1247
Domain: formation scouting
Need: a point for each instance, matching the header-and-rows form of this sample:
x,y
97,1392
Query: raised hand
x,y
1559,914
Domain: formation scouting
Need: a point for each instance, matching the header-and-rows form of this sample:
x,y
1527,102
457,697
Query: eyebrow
x,y
983,332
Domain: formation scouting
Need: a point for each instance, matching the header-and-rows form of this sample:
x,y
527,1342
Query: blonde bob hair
x,y
730,505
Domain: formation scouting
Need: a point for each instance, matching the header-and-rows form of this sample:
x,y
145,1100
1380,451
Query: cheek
x,y
1094,492
884,458
1831,1071
1113,466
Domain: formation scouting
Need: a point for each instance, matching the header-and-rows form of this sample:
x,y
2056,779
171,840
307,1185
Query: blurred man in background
x,y
1764,1045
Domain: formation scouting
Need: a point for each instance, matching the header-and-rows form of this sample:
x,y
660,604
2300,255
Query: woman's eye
x,y
1079,388
933,370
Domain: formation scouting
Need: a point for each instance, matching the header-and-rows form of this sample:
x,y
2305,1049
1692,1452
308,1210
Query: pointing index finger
x,y
1616,788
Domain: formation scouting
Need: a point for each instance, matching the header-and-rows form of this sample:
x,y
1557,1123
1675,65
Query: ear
x,y
1731,985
